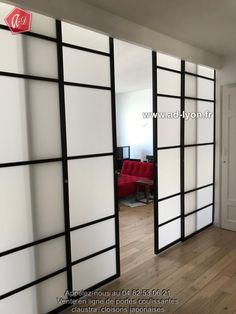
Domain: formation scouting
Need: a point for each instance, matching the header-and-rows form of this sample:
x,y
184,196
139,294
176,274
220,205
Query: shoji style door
x,y
88,63
199,148
167,150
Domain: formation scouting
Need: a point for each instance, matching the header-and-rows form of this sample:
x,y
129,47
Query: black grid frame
x,y
182,147
64,161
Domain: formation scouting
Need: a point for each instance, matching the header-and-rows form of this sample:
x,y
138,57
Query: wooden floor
x,y
199,273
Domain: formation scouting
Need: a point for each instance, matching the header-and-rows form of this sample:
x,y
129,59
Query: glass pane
x,y
170,126
168,172
190,124
205,126
190,168
204,217
88,111
198,199
40,24
190,67
204,165
38,299
205,71
191,86
168,209
36,210
205,89
168,61
83,37
168,83
25,266
169,233
92,239
99,268
22,114
91,189
87,68
26,55
190,224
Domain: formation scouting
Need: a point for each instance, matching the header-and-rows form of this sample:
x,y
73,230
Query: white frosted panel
x,y
190,202
25,300
190,224
169,233
191,86
204,196
168,61
168,128
83,37
40,24
205,71
28,55
168,82
204,217
190,124
94,270
91,189
87,68
190,168
92,239
168,209
204,165
198,199
38,299
25,266
205,127
205,89
36,210
168,172
88,111
190,67
22,114
48,291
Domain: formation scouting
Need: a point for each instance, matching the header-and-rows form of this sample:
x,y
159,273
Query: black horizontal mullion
x,y
31,34
198,231
169,196
168,69
30,77
168,96
168,221
199,99
93,255
33,283
169,245
197,210
98,52
90,223
28,245
90,156
29,162
168,147
87,85
199,144
199,188
200,76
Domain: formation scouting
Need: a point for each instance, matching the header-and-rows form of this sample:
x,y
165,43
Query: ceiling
x,y
207,24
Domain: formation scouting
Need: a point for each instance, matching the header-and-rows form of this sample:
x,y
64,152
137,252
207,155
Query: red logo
x,y
19,21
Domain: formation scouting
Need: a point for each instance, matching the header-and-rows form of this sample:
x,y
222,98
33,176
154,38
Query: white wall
x,y
132,129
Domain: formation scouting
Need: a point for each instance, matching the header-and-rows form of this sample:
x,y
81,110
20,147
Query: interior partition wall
x,y
184,149
58,208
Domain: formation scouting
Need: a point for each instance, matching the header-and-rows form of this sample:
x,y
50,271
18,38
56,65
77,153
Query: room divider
x,y
58,188
184,149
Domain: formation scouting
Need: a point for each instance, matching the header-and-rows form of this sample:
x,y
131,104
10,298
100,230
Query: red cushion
x,y
130,173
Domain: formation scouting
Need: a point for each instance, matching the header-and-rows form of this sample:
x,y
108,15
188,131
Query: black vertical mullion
x,y
64,153
182,152
155,139
214,148
114,141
